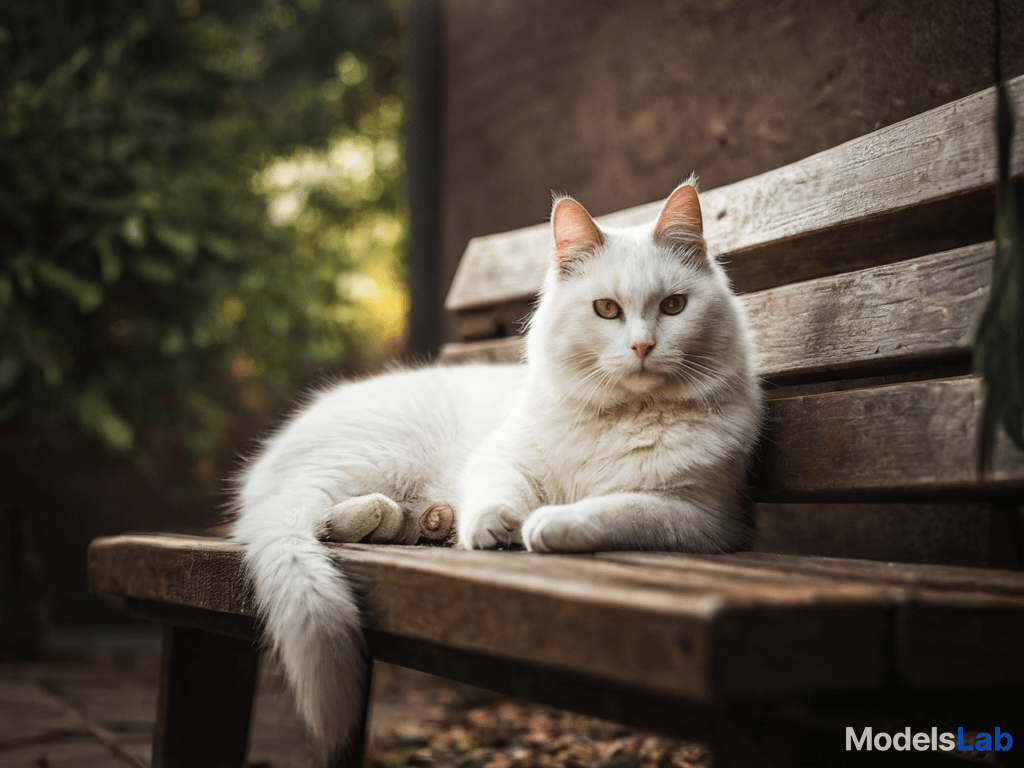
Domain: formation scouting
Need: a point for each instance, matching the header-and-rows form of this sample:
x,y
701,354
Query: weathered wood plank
x,y
924,308
653,630
953,626
897,441
674,625
114,570
916,187
682,639
180,570
907,578
919,312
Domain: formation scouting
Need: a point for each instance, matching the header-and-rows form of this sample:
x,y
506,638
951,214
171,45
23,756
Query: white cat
x,y
630,426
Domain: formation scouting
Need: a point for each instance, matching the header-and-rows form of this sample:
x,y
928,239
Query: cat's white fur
x,y
628,432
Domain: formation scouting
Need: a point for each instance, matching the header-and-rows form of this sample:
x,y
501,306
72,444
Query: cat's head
x,y
638,312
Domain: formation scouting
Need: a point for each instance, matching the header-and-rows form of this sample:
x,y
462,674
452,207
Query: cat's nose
x,y
643,348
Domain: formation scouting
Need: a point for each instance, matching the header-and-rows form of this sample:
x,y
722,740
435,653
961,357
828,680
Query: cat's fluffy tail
x,y
312,622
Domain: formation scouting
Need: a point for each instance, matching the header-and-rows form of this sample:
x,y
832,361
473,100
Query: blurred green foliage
x,y
200,202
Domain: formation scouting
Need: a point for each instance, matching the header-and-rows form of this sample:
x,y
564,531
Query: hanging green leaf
x,y
110,263
153,269
86,294
97,415
998,350
181,242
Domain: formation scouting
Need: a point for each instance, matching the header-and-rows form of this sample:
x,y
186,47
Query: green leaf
x,y
153,269
110,263
21,266
97,415
181,242
221,247
86,294
173,343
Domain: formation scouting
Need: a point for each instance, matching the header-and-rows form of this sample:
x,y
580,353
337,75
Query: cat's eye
x,y
607,309
673,305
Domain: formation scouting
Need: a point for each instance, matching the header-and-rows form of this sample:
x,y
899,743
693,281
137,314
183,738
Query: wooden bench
x,y
865,269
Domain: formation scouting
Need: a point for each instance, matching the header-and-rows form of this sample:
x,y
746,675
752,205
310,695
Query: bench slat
x,y
907,579
876,319
179,570
901,441
671,624
919,186
688,637
891,316
953,625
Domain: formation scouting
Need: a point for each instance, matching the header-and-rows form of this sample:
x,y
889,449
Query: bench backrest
x,y
864,269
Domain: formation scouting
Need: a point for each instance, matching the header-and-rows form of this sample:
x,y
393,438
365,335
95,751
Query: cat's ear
x,y
576,234
680,224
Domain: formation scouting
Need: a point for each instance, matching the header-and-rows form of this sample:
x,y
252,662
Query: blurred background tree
x,y
201,202
202,208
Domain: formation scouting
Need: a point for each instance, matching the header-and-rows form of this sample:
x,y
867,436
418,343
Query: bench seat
x,y
688,632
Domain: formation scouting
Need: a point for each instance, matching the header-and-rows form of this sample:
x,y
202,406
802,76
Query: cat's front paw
x,y
496,527
562,528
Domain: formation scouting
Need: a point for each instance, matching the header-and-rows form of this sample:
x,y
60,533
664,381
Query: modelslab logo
x,y
923,741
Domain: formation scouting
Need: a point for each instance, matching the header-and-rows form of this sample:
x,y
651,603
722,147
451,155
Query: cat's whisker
x,y
694,365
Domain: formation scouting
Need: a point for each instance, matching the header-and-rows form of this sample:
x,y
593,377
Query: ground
x,y
90,702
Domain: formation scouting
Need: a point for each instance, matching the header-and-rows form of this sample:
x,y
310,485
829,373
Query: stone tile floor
x,y
90,702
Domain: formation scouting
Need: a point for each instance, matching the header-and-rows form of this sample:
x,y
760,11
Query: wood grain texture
x,y
911,313
919,186
645,628
906,579
916,439
914,313
677,625
178,570
916,577
676,637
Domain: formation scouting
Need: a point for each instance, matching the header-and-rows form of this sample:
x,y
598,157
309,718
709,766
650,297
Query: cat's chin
x,y
642,382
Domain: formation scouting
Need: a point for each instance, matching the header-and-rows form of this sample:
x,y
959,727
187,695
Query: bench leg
x,y
207,683
355,755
